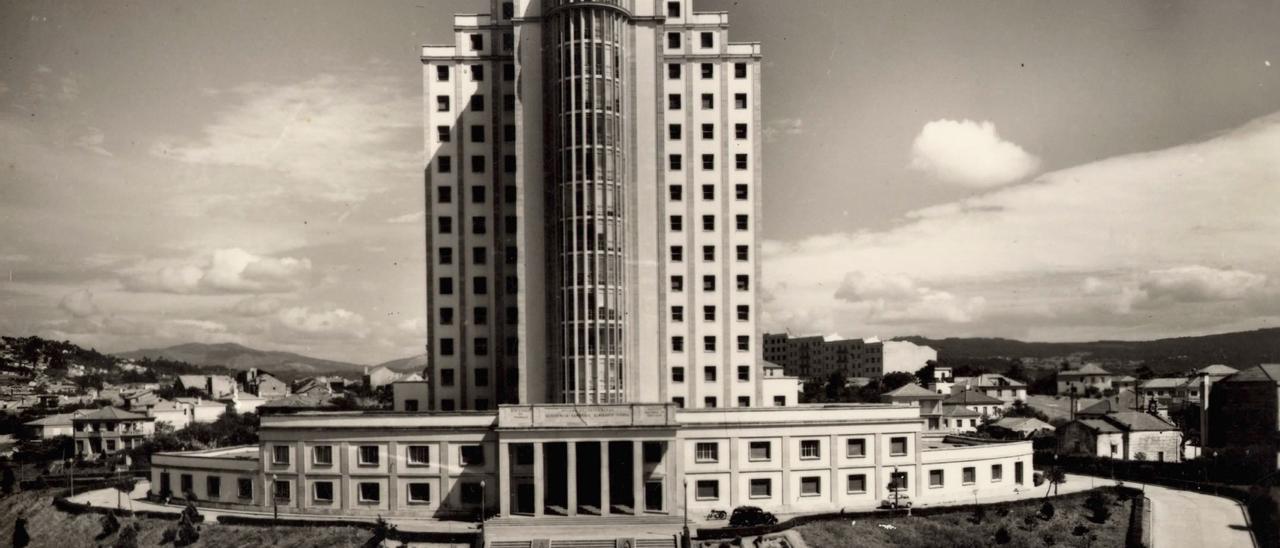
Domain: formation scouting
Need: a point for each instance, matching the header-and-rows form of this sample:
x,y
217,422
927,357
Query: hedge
x,y
1133,537
443,537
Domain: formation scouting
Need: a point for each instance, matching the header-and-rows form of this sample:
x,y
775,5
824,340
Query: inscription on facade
x,y
578,416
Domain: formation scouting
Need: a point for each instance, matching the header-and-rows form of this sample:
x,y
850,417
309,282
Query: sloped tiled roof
x,y
1023,424
1086,369
1218,370
1123,401
913,391
61,419
990,380
1262,373
959,411
1163,382
1099,425
1135,421
110,413
971,397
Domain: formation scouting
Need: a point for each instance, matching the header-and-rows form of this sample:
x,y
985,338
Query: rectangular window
x,y
740,192
708,101
445,255
709,343
444,164
744,373
759,450
708,71
855,448
244,486
368,455
935,479
708,253
508,10
969,475
679,401
477,42
708,192
480,346
707,40
741,253
508,72
674,131
707,490
444,194
675,162
419,455
677,283
740,162
477,194
677,223
478,225
446,377
706,452
477,164
443,134
743,282
471,455
673,71
708,162
709,313
810,449
477,103
744,343
810,486
741,222
779,401
370,492
1017,473
444,225
509,133
709,283
676,193
739,70
446,347
442,73
673,9
708,223
857,483
322,491
447,404
419,493
213,487
322,455
761,488
708,131
280,454
677,343
677,313
472,493
677,253
673,40
281,490
739,100
997,473
897,447
480,315
442,103
477,73
709,373
744,312
673,101
677,374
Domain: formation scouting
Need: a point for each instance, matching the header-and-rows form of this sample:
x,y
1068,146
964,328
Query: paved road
x,y
1188,518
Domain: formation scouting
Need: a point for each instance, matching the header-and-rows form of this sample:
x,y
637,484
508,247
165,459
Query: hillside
x,y
1244,348
234,356
412,364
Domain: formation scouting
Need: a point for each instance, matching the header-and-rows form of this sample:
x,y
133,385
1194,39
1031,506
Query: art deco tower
x,y
592,206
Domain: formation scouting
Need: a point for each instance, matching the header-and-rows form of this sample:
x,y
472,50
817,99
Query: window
x,y
677,253
709,254
744,282
477,42
744,343
810,486
471,455
477,73
322,455
855,448
709,373
810,449
444,164
677,283
897,446
709,343
442,103
679,401
739,100
761,488
280,454
708,131
673,101
481,377
480,285
779,401
322,491
856,483
676,193
281,490
740,162
677,343
673,71
446,377
739,70
677,374
744,312
707,490
968,475
741,253
708,71
508,10
673,40
677,223
472,493
709,313
370,492
674,131
477,134
509,133
419,455
481,404
708,101
442,73
444,225
708,283
706,452
447,404
1017,473
244,486
709,402
446,347
759,450
740,192
445,255
677,313
410,405
477,225
935,479
187,484
477,164
419,493
708,192
480,346
443,134
509,72
368,455
707,40
673,9
708,222
508,41
480,314
744,373
477,103
444,194
675,162
741,222
708,162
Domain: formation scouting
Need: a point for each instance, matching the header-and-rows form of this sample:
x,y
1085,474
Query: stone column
x,y
537,479
604,478
505,489
637,477
674,486
571,481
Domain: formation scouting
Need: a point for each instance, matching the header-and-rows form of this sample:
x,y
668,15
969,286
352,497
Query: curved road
x,y
1188,518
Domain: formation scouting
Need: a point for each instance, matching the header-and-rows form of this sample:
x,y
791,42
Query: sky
x,y
250,172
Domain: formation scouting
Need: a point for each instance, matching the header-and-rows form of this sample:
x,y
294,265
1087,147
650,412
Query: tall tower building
x,y
592,183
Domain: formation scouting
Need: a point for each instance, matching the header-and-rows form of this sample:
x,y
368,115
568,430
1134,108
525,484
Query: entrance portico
x,y
597,460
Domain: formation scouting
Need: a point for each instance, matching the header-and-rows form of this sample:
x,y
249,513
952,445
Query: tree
x,y
20,537
896,380
925,374
187,533
1054,477
1100,505
1016,371
1144,372
835,386
381,532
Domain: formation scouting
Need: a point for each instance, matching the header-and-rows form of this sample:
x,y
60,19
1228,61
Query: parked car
x,y
898,498
751,516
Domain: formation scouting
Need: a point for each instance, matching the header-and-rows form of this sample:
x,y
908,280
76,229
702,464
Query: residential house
x,y
213,386
410,393
204,411
175,414
1021,428
1124,382
262,383
1081,380
1125,435
380,376
929,402
995,385
960,419
109,430
1244,414
1125,400
986,406
51,426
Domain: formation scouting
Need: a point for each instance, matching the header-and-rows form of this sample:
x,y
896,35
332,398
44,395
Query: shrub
x,y
109,525
381,532
1047,511
1029,521
188,533
128,537
751,516
1048,539
1100,505
979,513
1080,530
190,513
1002,536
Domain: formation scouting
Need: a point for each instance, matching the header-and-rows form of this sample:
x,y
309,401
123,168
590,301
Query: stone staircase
x,y
644,531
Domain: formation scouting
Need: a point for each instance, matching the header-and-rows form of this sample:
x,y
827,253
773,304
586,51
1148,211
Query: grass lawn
x,y
51,527
958,529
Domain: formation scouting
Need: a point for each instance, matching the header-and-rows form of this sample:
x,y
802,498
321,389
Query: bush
x,y
1080,530
1100,505
1002,536
751,516
109,525
190,513
1047,511
979,513
128,537
187,533
1048,539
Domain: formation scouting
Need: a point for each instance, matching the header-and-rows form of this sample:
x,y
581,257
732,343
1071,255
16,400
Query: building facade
x,y
819,357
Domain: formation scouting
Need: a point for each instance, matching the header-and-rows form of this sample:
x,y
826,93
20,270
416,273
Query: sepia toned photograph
x,y
639,273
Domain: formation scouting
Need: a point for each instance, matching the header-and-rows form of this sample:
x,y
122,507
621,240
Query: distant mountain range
x,y
240,357
1243,348
412,364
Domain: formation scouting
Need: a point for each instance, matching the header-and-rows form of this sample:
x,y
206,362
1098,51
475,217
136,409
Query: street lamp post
x,y
482,504
686,512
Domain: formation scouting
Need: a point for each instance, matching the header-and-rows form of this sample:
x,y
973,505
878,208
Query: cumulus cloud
x,y
969,153
79,304
231,270
333,322
1132,223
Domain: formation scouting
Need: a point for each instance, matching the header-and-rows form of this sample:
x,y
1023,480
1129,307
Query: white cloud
x,y
231,270
92,141
969,153
781,127
334,322
409,218
79,304
1131,223
256,305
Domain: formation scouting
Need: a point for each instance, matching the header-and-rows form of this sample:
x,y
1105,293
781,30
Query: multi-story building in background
x,y
817,357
